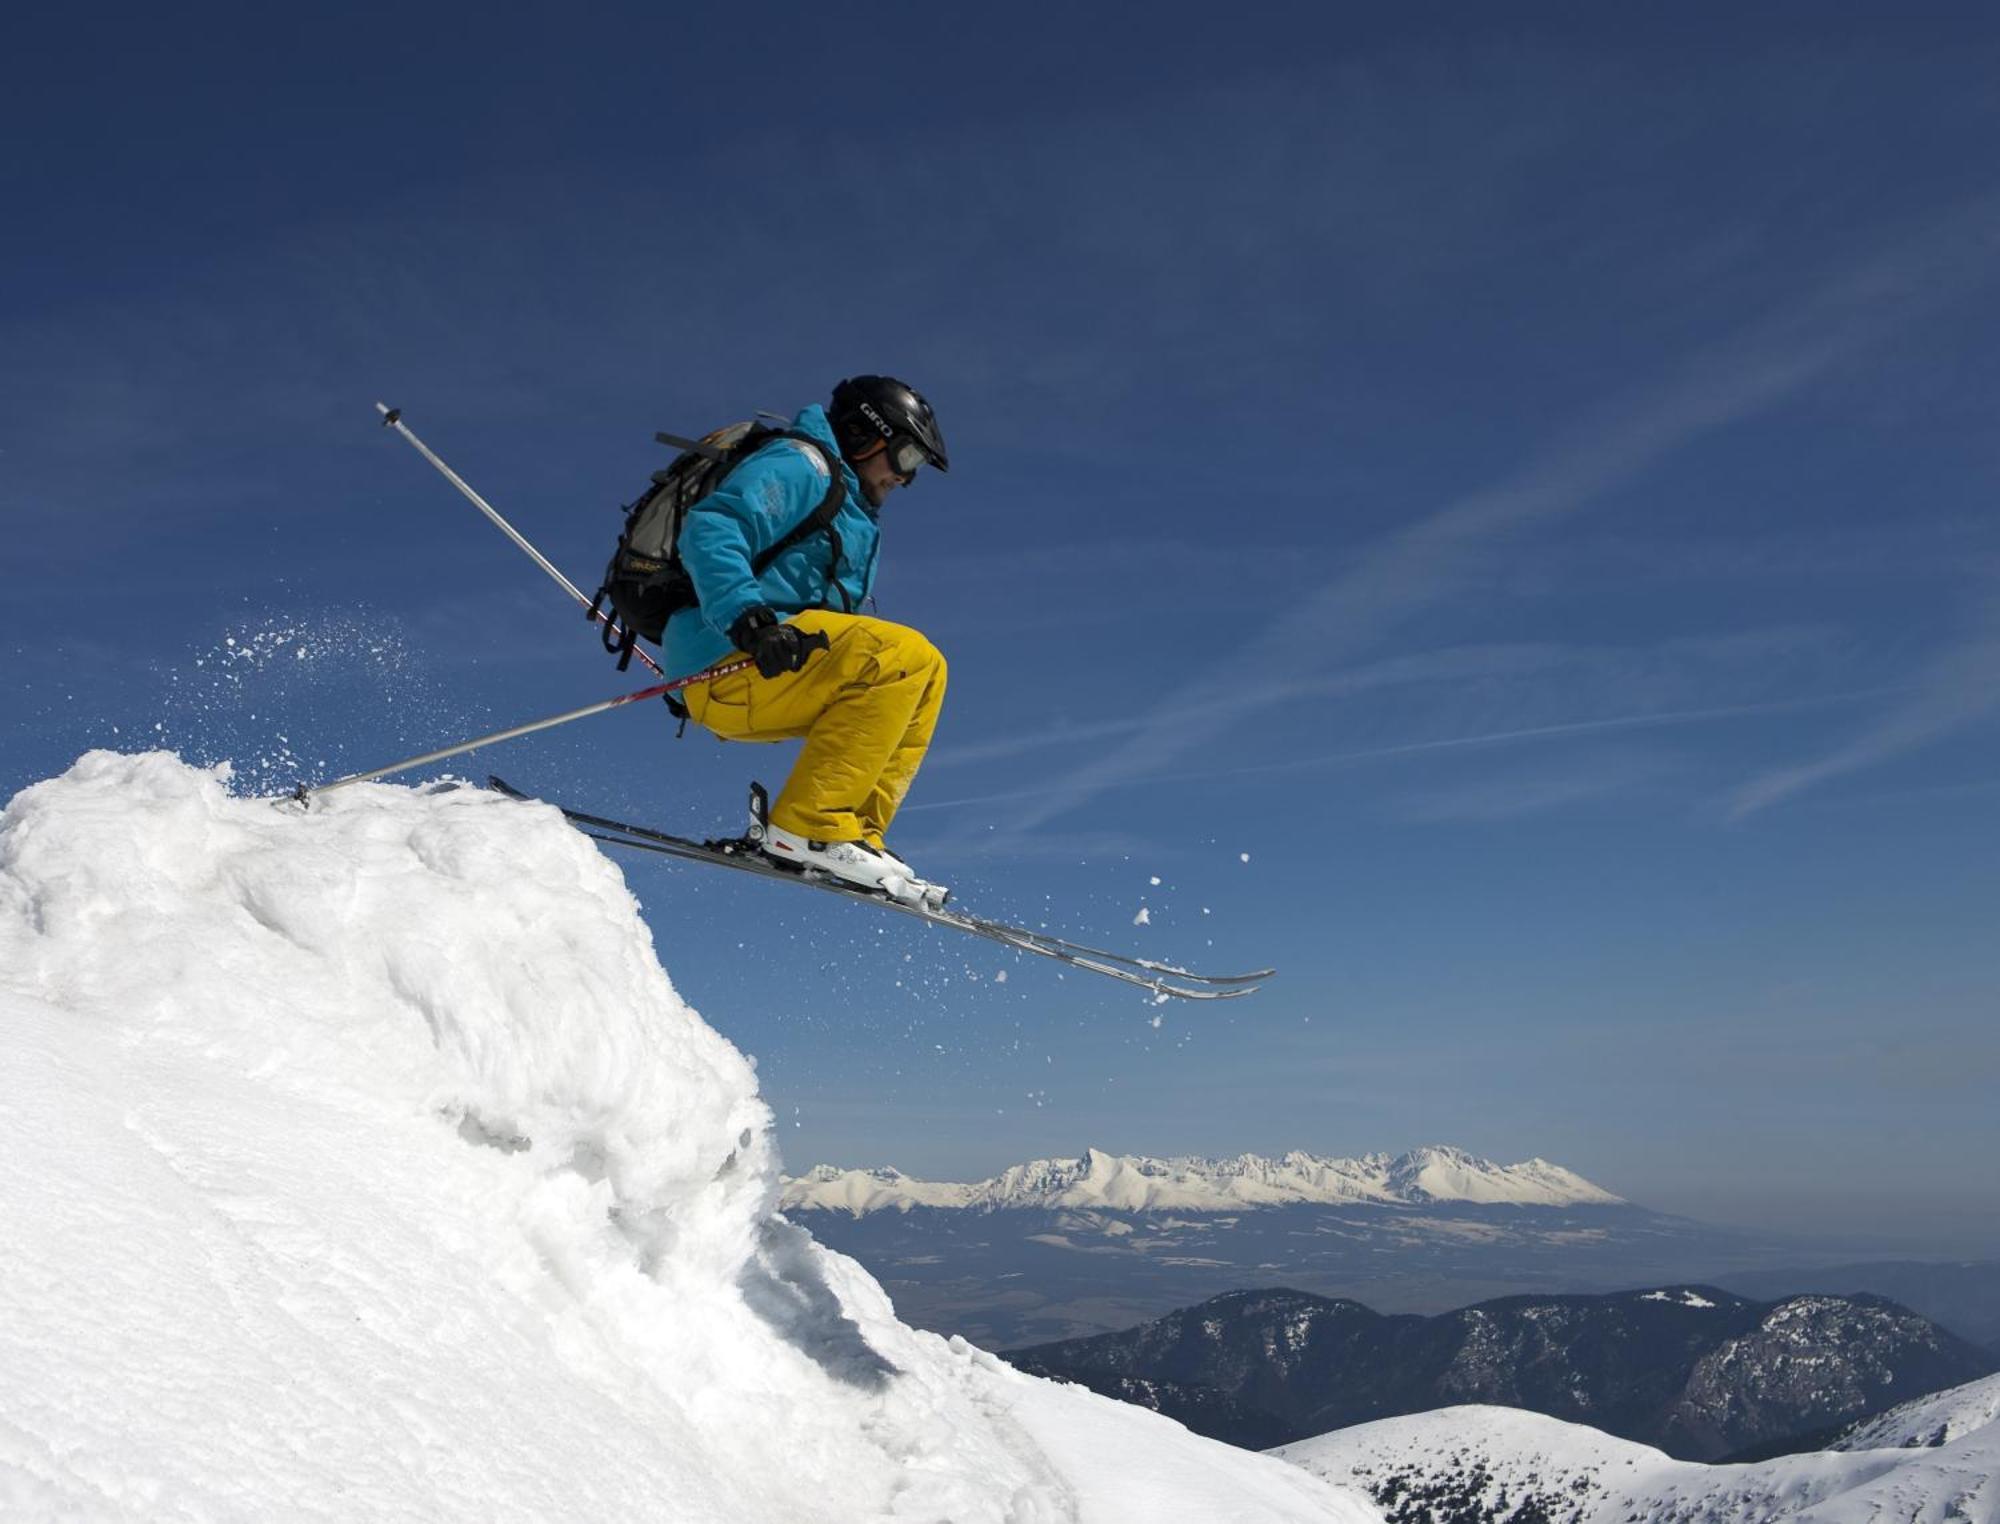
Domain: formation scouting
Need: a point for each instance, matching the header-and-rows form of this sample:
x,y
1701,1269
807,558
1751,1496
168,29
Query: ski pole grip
x,y
816,641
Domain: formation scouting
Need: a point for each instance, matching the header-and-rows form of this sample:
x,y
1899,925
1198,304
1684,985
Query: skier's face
x,y
879,476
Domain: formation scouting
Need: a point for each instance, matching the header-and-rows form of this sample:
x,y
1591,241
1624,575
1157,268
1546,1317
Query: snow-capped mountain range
x,y
1099,1181
1932,1461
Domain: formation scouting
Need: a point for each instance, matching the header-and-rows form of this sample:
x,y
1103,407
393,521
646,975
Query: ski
x,y
1161,979
1125,971
742,854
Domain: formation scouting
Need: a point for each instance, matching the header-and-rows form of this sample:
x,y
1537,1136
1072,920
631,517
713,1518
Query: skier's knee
x,y
919,655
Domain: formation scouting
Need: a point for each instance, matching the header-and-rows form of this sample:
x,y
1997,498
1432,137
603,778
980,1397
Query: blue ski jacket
x,y
757,504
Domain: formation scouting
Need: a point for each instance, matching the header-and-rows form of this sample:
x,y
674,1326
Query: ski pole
x,y
304,795
392,418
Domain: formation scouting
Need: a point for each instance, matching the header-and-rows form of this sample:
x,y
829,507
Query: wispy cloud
x,y
1957,688
1515,794
1418,567
1657,719
1657,682
1567,728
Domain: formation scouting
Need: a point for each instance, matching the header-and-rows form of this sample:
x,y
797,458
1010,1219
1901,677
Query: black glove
x,y
775,646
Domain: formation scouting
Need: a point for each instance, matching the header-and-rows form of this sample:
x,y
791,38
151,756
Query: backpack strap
x,y
820,518
618,637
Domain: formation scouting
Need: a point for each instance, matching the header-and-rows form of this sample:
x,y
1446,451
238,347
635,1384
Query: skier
x,y
867,707
867,704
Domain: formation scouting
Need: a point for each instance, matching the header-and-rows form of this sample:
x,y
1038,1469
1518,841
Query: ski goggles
x,y
905,455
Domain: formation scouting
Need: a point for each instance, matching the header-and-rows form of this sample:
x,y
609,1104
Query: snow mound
x,y
363,1163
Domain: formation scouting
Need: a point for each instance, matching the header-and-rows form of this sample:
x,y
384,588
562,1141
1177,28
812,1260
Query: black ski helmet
x,y
870,408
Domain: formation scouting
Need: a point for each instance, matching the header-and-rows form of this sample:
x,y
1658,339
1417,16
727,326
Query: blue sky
x,y
1526,480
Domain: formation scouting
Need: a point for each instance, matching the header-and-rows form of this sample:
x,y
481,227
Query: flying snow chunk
x,y
1143,918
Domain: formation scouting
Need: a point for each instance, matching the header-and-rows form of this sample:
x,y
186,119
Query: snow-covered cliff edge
x,y
363,1163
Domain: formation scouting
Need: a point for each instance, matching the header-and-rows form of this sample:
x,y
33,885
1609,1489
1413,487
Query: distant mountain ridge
x,y
1963,1295
1134,1183
1693,1370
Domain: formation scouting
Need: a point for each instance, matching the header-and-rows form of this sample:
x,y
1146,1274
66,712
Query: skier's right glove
x,y
775,646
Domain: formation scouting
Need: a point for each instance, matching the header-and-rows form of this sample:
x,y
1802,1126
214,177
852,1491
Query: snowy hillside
x,y
1486,1465
1928,1421
1124,1183
364,1164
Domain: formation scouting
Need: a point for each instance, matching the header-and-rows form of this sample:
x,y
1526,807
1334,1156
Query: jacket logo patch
x,y
818,465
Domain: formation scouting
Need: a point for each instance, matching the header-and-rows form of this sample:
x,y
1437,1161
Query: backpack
x,y
645,583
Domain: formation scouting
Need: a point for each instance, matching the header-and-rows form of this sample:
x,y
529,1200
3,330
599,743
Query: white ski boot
x,y
933,895
853,862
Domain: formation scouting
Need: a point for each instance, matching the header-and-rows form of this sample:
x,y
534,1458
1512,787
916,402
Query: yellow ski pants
x,y
867,707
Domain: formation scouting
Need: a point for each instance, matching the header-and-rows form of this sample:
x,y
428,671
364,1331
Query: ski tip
x,y
1161,993
1173,971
